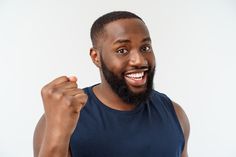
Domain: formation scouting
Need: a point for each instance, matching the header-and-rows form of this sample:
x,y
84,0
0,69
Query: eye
x,y
146,48
122,51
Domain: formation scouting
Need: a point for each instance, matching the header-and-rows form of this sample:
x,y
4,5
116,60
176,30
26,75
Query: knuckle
x,y
45,91
50,92
67,100
58,95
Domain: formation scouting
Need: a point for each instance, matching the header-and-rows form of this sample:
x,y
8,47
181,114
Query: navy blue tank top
x,y
150,130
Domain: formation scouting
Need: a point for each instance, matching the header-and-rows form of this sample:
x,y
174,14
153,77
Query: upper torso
x,y
150,130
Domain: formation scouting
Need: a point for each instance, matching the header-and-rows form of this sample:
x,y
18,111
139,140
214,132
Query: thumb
x,y
73,78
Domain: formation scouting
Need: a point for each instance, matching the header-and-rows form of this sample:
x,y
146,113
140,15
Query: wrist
x,y
57,135
57,130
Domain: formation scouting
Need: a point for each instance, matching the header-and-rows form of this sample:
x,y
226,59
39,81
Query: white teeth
x,y
136,75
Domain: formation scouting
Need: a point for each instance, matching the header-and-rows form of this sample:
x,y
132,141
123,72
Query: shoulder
x,y
182,117
89,89
179,112
161,99
185,125
158,95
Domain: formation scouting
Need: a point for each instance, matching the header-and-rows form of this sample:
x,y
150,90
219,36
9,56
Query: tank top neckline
x,y
109,109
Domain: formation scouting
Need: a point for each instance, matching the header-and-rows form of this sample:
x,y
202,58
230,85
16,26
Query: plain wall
x,y
194,43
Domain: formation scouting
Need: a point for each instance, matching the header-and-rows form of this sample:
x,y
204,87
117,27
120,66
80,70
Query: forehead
x,y
126,29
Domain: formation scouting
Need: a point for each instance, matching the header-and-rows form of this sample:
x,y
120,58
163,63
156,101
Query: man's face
x,y
127,59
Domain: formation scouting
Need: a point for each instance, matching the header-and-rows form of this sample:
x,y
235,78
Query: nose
x,y
137,59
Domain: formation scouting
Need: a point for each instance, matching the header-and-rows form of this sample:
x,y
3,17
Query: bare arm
x,y
62,102
38,140
184,122
38,135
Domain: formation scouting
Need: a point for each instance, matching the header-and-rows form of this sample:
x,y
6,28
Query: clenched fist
x,y
63,101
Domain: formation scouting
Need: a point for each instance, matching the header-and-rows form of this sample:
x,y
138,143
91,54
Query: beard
x,y
120,87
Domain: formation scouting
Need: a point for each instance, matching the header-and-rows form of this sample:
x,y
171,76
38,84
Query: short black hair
x,y
98,26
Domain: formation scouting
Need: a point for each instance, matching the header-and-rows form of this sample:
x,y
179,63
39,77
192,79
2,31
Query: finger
x,y
67,85
73,92
58,81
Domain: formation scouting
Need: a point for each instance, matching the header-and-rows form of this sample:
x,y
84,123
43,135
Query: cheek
x,y
114,64
151,60
117,66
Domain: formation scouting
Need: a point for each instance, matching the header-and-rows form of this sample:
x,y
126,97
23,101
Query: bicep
x,y
185,125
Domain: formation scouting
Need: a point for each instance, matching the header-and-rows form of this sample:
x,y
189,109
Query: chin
x,y
138,90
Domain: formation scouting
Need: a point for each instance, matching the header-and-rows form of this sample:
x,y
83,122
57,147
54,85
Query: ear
x,y
95,56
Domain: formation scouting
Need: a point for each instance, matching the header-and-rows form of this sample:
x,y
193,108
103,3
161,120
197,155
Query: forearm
x,y
62,101
54,146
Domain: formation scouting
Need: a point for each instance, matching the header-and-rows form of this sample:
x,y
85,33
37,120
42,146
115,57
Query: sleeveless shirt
x,y
152,129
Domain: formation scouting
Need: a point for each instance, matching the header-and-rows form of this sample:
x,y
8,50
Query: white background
x,y
195,48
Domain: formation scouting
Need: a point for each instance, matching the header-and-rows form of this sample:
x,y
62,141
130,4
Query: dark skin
x,y
62,101
128,49
123,51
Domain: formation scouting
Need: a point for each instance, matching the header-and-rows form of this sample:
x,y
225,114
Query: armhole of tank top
x,y
176,119
70,150
86,90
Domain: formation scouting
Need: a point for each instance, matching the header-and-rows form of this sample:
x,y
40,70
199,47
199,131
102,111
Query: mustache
x,y
141,68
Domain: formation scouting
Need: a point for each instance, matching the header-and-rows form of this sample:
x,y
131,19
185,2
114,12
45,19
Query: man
x,y
121,116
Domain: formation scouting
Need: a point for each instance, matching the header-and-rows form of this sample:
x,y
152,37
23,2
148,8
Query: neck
x,y
109,98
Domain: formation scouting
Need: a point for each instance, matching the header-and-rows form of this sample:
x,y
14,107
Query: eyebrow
x,y
147,39
122,41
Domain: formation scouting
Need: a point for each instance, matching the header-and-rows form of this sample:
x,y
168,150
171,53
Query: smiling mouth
x,y
136,78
